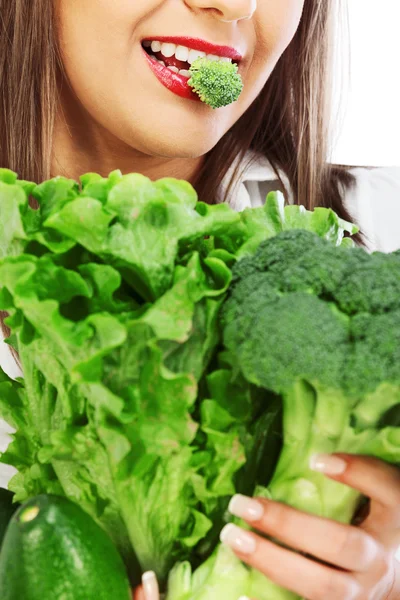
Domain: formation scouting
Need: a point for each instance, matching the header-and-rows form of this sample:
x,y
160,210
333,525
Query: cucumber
x,y
53,550
7,509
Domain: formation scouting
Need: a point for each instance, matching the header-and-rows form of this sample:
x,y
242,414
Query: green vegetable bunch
x,y
168,346
319,326
217,83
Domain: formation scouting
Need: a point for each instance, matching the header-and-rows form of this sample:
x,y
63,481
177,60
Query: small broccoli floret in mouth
x,y
217,83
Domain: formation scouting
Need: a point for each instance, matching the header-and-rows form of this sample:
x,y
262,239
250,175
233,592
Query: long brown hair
x,y
289,122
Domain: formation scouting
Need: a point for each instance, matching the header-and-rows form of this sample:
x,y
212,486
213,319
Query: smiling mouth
x,y
178,58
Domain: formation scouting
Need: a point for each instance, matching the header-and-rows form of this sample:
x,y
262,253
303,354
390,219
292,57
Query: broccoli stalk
x,y
318,421
217,83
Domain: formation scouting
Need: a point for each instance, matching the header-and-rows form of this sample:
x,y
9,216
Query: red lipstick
x,y
178,84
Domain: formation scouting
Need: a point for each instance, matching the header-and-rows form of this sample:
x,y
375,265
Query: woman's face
x,y
101,44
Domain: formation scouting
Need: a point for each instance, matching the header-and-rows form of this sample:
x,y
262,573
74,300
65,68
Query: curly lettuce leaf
x,y
139,227
273,217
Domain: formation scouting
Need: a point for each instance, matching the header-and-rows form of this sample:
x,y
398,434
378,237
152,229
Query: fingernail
x,y
246,508
328,464
244,598
150,586
237,539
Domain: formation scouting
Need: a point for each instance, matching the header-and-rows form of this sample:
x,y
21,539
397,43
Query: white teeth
x,y
182,53
183,72
160,61
194,55
168,50
155,46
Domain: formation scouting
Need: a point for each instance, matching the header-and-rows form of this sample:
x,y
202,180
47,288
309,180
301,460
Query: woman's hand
x,y
362,558
149,588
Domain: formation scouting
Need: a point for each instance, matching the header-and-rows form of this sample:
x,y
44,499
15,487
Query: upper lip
x,y
198,44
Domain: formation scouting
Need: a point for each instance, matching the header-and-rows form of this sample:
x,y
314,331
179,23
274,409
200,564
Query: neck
x,y
82,145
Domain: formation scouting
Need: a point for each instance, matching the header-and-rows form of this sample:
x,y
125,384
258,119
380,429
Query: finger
x,y
290,570
344,546
372,477
150,586
375,479
138,594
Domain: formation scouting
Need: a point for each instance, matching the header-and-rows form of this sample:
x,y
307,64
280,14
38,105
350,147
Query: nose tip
x,y
237,19
227,11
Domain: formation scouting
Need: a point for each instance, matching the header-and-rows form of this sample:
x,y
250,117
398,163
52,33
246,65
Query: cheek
x,y
276,25
97,37
91,35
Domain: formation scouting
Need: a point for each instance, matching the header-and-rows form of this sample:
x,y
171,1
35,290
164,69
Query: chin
x,y
179,147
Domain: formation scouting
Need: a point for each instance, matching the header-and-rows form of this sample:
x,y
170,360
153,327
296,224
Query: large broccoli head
x,y
303,308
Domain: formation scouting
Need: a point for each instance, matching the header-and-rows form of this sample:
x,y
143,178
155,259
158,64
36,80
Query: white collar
x,y
257,168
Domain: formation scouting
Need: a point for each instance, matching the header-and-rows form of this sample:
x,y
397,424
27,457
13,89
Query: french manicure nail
x,y
237,539
150,586
245,508
244,598
328,464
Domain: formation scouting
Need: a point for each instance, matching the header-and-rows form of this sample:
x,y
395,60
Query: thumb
x,y
150,586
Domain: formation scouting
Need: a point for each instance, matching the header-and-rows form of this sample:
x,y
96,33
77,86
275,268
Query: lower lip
x,y
172,81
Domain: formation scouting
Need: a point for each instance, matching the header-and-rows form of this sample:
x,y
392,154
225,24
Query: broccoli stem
x,y
317,420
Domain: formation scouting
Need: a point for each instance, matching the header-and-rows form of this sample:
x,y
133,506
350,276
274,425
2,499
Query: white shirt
x,y
374,203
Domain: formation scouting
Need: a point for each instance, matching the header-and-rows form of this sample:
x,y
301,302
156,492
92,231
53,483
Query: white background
x,y
369,131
